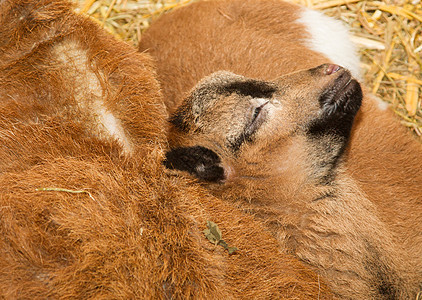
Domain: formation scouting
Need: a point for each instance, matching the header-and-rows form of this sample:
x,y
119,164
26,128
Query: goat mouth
x,y
339,104
342,97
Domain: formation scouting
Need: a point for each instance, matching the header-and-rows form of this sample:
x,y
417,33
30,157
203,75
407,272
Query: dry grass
x,y
389,34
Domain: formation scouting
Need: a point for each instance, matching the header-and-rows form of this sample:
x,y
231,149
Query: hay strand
x,y
332,3
55,189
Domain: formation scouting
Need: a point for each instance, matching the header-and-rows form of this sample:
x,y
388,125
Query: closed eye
x,y
256,118
257,111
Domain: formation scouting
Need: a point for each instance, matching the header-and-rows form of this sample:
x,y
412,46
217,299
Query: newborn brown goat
x,y
276,147
86,208
269,38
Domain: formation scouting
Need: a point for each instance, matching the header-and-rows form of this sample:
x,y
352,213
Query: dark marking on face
x,y
235,144
183,117
180,119
199,161
327,195
339,105
385,279
249,87
328,152
330,132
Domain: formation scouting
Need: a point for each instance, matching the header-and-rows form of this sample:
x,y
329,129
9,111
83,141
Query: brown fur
x,y
81,111
258,39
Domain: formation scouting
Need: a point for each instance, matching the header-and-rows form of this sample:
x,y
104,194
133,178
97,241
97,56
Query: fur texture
x,y
86,208
264,40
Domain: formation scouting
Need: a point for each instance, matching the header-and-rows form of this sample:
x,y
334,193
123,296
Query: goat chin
x,y
87,209
379,186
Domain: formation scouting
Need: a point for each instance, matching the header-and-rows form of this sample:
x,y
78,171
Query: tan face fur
x,y
249,128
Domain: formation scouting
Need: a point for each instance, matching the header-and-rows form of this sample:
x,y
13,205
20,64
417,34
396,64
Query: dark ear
x,y
201,162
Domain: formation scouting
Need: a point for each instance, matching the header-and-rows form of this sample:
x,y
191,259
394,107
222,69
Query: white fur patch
x,y
112,125
330,38
382,105
89,93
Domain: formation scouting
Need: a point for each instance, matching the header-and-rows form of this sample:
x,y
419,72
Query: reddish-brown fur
x,y
81,112
257,39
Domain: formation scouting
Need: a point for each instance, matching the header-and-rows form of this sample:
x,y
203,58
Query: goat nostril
x,y
331,69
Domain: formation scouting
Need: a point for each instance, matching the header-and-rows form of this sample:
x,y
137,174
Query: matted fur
x,y
86,208
264,39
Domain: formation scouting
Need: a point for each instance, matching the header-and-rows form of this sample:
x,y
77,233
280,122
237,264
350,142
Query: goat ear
x,y
201,162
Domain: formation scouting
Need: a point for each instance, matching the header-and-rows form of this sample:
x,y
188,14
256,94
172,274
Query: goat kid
x,y
267,39
275,148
